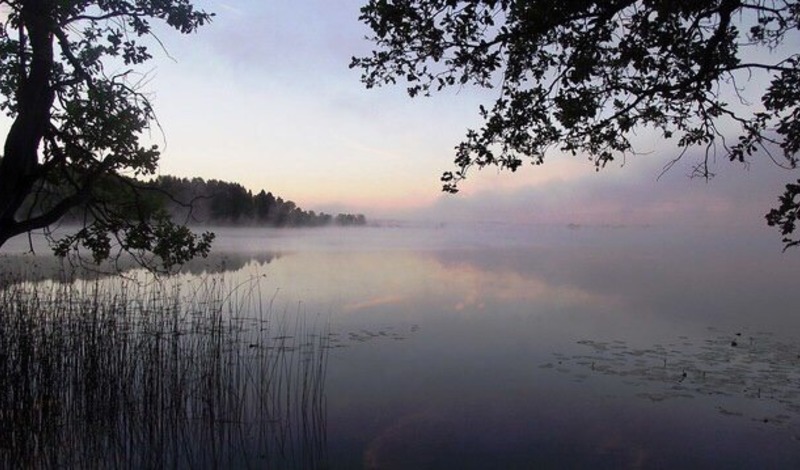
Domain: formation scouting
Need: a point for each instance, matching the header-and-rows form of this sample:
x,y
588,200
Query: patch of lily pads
x,y
750,375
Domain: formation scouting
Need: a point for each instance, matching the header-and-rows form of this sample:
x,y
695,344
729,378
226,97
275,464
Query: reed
x,y
153,373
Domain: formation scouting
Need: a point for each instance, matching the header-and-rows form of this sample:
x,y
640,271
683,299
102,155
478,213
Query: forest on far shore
x,y
214,202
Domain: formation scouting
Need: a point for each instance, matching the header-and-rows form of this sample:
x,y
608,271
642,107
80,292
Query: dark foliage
x,y
583,76
75,137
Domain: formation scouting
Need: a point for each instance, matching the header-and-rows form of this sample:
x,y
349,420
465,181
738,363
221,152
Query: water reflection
x,y
476,350
32,267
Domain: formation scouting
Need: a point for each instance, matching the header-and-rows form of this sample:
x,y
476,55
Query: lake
x,y
514,346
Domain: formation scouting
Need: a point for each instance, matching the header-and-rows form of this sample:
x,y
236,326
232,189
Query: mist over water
x,y
520,346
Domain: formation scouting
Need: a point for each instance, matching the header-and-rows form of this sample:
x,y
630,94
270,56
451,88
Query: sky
x,y
263,96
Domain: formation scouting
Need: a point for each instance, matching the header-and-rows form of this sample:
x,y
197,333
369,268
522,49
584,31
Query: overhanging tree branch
x,y
581,76
75,129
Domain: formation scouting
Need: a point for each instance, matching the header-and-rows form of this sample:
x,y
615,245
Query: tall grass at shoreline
x,y
158,374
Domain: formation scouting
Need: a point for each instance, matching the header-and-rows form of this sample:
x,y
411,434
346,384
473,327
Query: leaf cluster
x,y
71,78
583,76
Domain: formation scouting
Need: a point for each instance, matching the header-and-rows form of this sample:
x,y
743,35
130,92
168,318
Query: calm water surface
x,y
542,347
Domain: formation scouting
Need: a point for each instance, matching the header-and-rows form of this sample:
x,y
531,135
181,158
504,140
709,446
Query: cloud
x,y
633,194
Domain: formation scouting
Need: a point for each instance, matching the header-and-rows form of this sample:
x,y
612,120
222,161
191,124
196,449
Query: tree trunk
x,y
34,102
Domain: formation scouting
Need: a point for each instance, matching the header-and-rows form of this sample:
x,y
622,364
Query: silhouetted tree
x,y
263,203
230,202
77,124
582,76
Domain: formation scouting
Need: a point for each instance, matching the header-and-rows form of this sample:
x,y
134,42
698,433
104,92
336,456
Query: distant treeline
x,y
215,202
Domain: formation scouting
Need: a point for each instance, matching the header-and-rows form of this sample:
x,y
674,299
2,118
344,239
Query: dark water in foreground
x,y
534,347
